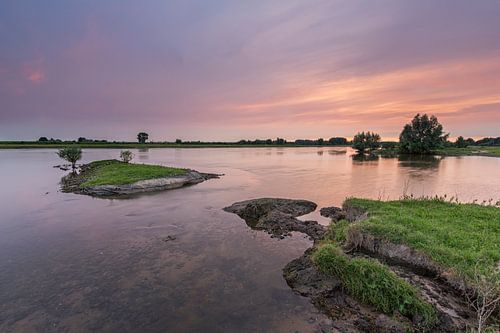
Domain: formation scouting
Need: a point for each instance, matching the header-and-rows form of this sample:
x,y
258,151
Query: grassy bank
x,y
460,237
470,151
113,172
463,238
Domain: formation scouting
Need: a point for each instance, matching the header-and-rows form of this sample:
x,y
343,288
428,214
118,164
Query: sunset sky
x,y
227,70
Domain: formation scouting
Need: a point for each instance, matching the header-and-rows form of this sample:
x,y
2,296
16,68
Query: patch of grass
x,y
113,172
460,237
470,150
372,283
337,232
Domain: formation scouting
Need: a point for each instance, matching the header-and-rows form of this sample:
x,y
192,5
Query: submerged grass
x,y
373,283
462,237
113,172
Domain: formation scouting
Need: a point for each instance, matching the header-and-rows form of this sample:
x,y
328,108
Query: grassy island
x,y
114,172
116,178
461,240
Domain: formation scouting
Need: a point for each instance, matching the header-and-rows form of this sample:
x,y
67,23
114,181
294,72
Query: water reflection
x,y
74,263
364,157
419,161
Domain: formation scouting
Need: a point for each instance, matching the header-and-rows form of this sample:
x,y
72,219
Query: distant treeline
x,y
334,141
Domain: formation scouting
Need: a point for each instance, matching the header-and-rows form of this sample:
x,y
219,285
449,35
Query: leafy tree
x,y
461,143
366,141
126,156
422,136
82,139
43,139
142,137
470,142
269,142
320,141
337,141
178,141
71,154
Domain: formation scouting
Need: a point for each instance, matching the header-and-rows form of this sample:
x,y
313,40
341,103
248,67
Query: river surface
x,y
175,261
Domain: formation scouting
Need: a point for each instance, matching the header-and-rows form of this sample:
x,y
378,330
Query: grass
x,y
470,151
460,237
372,283
113,172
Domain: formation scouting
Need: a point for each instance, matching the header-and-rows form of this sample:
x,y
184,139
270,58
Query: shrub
x,y
126,156
71,154
366,141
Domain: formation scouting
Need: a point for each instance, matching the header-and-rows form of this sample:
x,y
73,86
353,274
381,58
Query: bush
x,y
126,156
366,141
422,136
71,154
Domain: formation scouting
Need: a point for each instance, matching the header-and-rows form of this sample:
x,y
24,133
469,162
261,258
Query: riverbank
x,y
489,151
132,145
113,177
389,266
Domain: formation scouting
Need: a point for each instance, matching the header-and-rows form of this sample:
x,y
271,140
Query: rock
x,y
278,216
335,213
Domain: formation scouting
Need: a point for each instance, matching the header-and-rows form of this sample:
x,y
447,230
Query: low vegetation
x,y
114,172
457,236
372,283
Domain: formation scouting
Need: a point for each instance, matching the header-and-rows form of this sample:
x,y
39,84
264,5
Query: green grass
x,y
113,172
470,151
459,237
372,283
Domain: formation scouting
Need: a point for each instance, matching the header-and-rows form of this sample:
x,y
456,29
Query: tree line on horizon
x,y
423,135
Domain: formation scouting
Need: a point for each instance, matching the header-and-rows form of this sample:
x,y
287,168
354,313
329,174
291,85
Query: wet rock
x,y
278,216
335,213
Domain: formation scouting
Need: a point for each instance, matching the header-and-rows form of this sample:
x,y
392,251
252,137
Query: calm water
x,y
74,263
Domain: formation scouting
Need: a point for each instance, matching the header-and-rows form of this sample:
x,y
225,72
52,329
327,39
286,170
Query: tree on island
x,y
366,141
142,137
71,154
422,136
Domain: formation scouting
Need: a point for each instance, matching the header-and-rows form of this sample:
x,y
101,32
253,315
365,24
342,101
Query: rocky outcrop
x,y
278,216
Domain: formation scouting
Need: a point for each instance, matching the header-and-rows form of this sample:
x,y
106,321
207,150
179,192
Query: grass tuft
x,y
372,283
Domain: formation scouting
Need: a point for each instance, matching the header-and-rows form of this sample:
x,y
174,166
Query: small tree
x,y
422,136
126,156
178,141
320,141
461,143
366,141
142,137
43,139
71,154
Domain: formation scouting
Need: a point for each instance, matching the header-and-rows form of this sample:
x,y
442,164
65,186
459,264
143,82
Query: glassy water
x,y
74,263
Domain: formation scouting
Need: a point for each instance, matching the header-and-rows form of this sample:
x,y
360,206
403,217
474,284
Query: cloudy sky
x,y
225,70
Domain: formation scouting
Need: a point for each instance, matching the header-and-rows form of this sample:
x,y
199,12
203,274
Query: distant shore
x,y
132,145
